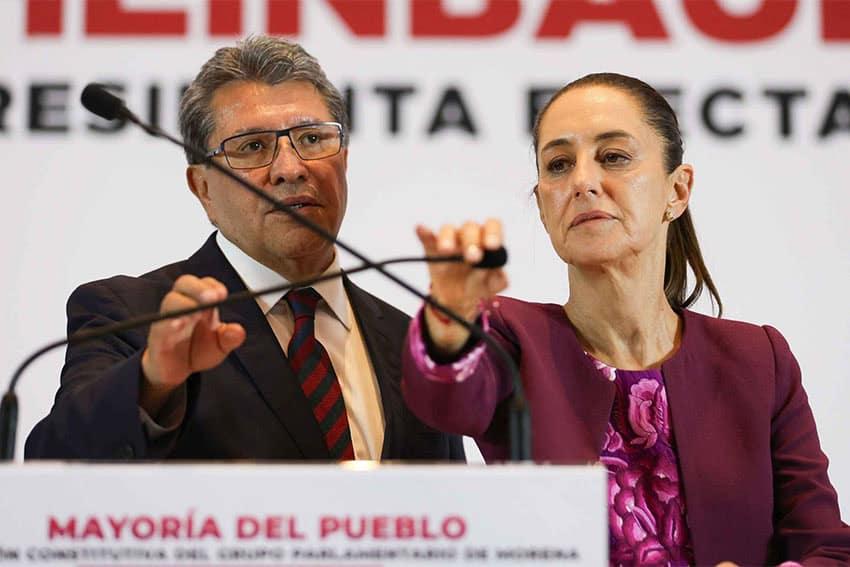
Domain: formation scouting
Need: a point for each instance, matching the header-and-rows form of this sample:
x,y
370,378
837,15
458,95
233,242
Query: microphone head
x,y
97,100
493,258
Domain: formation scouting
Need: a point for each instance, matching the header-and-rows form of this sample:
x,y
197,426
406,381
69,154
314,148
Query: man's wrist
x,y
152,394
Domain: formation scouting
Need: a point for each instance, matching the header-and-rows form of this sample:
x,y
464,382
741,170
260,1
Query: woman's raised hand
x,y
460,286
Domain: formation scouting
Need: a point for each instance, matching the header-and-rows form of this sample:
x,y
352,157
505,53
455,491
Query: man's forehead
x,y
244,105
251,94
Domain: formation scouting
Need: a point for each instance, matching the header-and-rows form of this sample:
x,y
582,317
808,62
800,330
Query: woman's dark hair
x,y
682,245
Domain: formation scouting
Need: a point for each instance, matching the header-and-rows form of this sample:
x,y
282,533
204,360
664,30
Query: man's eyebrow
x,y
298,121
304,119
249,129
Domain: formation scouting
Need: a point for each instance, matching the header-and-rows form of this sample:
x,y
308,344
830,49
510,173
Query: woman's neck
x,y
622,319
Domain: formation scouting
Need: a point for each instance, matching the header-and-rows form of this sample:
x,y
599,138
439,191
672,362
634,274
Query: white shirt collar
x,y
258,276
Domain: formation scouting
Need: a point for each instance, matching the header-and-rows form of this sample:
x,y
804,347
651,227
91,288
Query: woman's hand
x,y
459,286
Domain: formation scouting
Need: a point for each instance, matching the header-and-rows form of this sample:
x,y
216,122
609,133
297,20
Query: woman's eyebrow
x,y
569,140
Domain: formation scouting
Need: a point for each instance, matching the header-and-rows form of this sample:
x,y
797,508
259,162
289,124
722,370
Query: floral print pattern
x,y
646,504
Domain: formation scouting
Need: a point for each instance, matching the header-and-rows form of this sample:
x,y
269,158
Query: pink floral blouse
x,y
646,505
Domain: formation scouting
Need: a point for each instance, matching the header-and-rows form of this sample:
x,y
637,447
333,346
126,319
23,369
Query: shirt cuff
x,y
169,417
447,371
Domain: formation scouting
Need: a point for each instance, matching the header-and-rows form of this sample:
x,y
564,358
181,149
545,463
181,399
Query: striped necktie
x,y
312,366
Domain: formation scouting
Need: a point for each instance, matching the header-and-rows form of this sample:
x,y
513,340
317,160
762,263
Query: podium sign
x,y
357,514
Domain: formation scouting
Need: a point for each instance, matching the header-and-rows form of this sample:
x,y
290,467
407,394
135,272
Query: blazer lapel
x,y
593,395
694,408
261,356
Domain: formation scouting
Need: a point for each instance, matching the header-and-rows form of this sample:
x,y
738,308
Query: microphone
x,y
99,101
491,258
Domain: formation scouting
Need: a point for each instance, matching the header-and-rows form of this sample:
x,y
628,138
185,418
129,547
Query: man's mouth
x,y
297,202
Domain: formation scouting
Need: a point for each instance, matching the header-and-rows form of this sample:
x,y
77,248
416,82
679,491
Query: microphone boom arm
x,y
97,100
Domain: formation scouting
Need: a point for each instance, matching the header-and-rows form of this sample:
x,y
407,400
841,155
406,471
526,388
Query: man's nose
x,y
287,166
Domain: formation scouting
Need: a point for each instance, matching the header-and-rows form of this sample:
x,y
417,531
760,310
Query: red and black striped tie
x,y
312,366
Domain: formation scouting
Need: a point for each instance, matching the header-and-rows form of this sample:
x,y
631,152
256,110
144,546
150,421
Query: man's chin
x,y
301,245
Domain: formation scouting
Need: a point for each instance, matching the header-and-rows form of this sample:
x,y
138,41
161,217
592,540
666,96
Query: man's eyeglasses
x,y
316,140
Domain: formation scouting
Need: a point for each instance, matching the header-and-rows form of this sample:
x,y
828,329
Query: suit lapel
x,y
261,357
694,407
385,353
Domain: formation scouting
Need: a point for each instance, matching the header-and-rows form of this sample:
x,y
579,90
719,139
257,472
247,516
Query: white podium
x,y
356,514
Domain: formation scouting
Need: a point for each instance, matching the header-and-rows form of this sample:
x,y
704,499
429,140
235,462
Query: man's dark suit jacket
x,y
249,407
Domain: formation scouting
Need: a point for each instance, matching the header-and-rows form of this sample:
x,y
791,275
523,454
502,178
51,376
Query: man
x,y
311,375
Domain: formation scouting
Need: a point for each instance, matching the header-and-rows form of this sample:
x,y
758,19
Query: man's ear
x,y
680,190
539,208
196,178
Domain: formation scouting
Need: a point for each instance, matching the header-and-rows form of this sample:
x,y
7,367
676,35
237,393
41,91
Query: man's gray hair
x,y
259,58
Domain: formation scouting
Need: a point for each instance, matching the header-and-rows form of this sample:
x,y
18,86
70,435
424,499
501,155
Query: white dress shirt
x,y
336,328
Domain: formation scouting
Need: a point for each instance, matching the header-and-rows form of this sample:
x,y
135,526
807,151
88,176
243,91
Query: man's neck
x,y
299,269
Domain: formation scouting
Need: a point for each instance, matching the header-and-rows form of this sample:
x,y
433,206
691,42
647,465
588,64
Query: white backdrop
x,y
771,209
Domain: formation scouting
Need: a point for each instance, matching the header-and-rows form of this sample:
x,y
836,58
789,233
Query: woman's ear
x,y
680,189
536,192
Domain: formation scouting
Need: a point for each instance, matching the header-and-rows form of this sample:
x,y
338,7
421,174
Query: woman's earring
x,y
669,215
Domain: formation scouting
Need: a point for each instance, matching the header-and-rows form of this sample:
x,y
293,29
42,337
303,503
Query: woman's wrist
x,y
441,317
447,335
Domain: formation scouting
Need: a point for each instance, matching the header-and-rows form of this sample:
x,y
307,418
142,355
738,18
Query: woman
x,y
702,423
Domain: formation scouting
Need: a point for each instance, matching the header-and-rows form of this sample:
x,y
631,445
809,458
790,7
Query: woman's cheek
x,y
553,210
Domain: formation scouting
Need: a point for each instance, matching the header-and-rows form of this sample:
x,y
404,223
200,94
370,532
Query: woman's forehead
x,y
590,110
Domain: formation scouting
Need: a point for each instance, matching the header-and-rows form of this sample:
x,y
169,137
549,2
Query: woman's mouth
x,y
589,217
